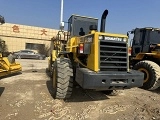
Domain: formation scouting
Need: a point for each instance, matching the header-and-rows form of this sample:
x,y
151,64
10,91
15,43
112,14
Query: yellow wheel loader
x,y
95,60
145,55
8,65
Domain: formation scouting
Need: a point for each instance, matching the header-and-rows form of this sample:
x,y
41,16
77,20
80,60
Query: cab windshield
x,y
154,37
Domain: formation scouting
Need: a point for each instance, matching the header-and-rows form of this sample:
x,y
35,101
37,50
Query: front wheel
x,y
151,74
62,80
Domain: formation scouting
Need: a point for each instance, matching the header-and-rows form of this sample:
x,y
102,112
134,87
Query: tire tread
x,y
153,83
64,78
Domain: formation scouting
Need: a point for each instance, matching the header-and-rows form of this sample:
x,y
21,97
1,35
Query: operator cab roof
x,y
83,16
150,28
80,25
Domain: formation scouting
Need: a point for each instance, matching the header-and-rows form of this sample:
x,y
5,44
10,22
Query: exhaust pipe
x,y
103,21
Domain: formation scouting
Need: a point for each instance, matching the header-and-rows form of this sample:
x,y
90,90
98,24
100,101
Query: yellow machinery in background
x,y
145,55
95,60
8,65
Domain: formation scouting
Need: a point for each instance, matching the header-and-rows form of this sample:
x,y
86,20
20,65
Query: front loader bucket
x,y
7,68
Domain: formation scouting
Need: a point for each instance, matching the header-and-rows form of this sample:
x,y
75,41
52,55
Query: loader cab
x,y
80,25
144,40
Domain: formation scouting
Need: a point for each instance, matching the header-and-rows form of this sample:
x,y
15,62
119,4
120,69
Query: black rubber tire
x,y
63,79
154,74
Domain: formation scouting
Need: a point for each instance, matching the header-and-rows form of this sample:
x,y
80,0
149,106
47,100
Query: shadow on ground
x,y
79,94
153,91
10,75
157,90
34,70
1,90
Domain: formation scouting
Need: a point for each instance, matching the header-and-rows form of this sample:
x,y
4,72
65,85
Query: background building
x,y
20,37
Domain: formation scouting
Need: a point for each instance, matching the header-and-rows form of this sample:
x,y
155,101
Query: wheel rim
x,y
54,78
146,74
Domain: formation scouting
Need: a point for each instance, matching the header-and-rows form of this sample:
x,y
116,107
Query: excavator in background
x,y
94,60
145,55
8,65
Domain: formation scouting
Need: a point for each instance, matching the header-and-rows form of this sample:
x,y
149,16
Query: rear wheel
x,y
62,78
151,74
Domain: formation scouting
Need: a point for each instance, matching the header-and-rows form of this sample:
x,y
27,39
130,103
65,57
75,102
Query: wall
x,y
16,36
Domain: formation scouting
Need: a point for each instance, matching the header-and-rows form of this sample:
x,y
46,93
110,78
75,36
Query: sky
x,y
123,16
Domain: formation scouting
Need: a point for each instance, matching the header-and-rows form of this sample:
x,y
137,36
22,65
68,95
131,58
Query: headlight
x,y
124,39
100,37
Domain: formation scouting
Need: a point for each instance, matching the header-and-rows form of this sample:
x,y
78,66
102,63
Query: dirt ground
x,y
27,96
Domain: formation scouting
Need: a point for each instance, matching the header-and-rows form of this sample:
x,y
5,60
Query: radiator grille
x,y
113,55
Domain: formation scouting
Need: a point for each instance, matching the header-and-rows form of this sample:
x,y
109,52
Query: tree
x,y
43,50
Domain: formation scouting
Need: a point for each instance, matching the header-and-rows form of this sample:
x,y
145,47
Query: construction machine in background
x,y
8,65
145,55
95,60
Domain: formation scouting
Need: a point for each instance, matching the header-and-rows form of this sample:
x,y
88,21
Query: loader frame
x,y
84,60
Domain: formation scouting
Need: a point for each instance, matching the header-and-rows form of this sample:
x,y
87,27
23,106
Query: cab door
x,y
146,42
137,43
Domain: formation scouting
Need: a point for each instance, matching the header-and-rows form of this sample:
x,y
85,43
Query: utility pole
x,y
61,17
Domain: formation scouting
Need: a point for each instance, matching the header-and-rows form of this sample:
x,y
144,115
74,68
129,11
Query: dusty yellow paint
x,y
154,54
113,35
93,57
54,55
139,56
72,44
158,44
7,68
